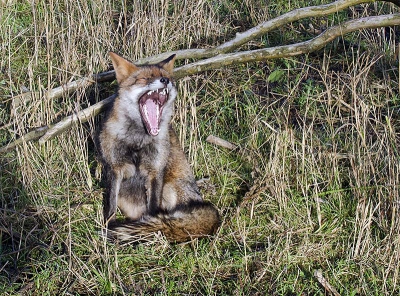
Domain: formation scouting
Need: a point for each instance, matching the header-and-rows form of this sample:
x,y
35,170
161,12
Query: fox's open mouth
x,y
151,106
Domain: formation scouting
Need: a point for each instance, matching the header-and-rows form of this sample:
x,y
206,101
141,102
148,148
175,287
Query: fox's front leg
x,y
154,186
118,174
111,198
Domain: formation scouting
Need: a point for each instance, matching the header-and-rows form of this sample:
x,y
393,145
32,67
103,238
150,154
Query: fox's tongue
x,y
151,106
151,116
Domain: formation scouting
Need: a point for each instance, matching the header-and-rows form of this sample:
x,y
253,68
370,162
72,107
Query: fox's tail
x,y
196,219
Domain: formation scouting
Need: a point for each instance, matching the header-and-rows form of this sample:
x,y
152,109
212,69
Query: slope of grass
x,y
313,186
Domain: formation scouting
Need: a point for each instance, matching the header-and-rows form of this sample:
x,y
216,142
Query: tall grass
x,y
313,186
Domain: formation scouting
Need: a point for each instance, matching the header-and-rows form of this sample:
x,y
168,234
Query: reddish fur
x,y
149,177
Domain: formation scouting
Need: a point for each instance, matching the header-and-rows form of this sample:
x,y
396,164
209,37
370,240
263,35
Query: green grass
x,y
313,185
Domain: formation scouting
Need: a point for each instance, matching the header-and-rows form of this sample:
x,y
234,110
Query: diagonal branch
x,y
31,136
288,50
45,133
80,117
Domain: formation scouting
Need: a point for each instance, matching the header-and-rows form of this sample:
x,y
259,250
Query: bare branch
x,y
258,31
284,19
82,116
31,136
48,132
69,87
288,50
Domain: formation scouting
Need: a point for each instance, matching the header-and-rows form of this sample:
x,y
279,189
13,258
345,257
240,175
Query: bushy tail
x,y
196,219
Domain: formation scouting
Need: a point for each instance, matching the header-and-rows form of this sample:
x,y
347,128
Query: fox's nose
x,y
164,80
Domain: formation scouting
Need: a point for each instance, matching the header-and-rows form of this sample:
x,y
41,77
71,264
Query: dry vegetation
x,y
312,189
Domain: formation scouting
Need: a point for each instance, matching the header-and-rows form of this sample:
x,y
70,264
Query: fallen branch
x,y
69,87
288,50
218,57
260,30
82,116
47,132
31,136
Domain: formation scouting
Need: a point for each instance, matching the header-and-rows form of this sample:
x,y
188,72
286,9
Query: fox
x,y
147,175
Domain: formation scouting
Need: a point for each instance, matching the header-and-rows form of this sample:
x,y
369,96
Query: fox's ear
x,y
168,64
123,68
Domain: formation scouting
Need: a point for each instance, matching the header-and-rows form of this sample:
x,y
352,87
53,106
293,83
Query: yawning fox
x,y
148,176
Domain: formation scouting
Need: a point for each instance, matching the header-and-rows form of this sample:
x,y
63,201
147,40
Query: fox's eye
x,y
143,80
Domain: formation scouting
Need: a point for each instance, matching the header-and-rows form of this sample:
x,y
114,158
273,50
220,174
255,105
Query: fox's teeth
x,y
162,91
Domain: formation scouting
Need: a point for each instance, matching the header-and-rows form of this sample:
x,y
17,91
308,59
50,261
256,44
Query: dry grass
x,y
314,185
